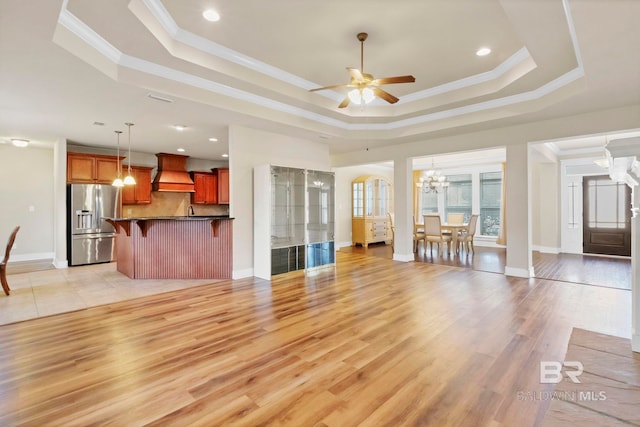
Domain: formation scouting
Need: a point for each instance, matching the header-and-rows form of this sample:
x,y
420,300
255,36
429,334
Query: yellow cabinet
x,y
371,202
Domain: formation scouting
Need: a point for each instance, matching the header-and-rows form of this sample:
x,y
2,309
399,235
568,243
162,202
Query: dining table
x,y
455,230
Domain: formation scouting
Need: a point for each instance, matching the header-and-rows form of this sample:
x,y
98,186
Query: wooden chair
x,y
3,264
418,234
466,238
433,233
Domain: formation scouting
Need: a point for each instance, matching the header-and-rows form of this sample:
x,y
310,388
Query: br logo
x,y
551,371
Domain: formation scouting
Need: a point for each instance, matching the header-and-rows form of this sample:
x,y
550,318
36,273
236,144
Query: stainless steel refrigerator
x,y
90,239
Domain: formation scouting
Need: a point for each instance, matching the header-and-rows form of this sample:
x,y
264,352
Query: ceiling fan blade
x,y
355,74
344,103
384,95
330,87
391,80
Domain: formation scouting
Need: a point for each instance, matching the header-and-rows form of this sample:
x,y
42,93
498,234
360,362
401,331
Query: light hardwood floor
x,y
587,269
371,342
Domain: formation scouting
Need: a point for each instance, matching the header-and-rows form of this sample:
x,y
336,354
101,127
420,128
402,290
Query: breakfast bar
x,y
183,247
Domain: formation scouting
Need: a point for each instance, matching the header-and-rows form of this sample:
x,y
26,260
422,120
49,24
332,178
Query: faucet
x,y
190,211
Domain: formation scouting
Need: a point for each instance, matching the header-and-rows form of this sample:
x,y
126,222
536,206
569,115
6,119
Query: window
x,y
490,195
458,196
429,203
606,203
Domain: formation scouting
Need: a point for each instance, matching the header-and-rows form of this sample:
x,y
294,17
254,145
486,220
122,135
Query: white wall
x,y
545,207
251,147
26,191
344,177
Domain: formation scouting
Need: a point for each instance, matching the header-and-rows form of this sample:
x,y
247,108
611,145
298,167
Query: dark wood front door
x,y
606,216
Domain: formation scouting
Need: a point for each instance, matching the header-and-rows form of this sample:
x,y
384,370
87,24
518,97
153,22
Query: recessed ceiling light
x,y
211,15
225,155
20,142
181,150
483,51
213,139
180,128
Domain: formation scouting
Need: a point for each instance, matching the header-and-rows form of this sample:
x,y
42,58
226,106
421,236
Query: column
x,y
519,262
59,203
402,207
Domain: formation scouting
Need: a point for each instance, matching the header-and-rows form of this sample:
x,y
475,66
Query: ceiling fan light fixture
x,y
366,87
361,96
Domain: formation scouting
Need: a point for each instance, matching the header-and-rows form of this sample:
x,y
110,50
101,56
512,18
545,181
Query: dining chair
x,y
393,230
455,218
466,238
433,233
418,234
3,264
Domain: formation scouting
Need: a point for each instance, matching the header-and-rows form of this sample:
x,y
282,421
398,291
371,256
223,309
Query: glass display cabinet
x,y
371,202
320,218
294,215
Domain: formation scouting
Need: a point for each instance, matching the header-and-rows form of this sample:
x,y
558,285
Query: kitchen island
x,y
182,247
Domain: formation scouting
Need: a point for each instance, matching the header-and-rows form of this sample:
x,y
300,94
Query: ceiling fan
x,y
365,87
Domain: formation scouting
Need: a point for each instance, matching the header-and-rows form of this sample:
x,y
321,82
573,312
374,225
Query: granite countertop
x,y
175,218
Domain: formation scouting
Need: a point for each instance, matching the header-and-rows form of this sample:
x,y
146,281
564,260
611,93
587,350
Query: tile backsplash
x,y
171,204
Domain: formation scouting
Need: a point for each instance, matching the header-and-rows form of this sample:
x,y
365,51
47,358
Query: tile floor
x,y
44,293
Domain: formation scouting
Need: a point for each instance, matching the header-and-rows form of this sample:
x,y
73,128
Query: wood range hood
x,y
172,174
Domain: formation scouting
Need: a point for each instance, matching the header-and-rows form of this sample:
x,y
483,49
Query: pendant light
x,y
118,181
129,179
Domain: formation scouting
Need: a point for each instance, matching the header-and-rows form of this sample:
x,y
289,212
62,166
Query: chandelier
x,y
432,180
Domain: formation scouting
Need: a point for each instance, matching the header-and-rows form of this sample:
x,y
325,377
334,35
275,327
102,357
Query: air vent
x,y
159,97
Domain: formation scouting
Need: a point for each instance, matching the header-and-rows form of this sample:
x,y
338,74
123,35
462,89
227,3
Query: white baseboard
x,y
403,257
519,272
34,256
339,245
61,264
242,274
486,242
546,249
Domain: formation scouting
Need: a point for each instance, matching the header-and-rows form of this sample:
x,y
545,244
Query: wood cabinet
x,y
85,168
223,185
371,202
206,188
140,193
